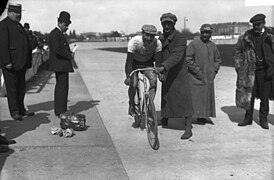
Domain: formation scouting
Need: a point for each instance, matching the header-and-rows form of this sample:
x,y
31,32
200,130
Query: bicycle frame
x,y
145,108
142,86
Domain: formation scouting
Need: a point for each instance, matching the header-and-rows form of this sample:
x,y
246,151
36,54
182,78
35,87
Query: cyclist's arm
x,y
129,64
158,59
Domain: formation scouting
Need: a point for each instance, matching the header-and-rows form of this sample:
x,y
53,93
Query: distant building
x,y
234,28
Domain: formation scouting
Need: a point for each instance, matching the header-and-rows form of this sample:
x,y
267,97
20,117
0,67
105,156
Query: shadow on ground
x,y
236,114
176,123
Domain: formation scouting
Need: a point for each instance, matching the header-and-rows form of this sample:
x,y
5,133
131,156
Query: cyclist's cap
x,y
168,17
150,29
206,27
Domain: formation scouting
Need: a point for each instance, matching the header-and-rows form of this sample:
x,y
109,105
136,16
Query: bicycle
x,y
145,113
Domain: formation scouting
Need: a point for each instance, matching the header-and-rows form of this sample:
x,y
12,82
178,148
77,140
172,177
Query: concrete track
x,y
111,149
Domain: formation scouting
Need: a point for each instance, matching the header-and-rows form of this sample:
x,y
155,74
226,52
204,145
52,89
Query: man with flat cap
x,y
143,51
176,97
254,61
15,59
60,62
203,60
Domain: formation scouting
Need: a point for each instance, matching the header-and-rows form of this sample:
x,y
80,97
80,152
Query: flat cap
x,y
206,27
168,17
150,29
258,18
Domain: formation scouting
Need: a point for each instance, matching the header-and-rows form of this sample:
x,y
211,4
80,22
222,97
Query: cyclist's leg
x,y
152,77
131,93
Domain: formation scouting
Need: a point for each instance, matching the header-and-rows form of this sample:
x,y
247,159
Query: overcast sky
x,y
130,15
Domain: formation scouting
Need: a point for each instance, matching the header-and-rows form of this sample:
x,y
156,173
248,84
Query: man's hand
x,y
162,77
127,81
158,70
9,66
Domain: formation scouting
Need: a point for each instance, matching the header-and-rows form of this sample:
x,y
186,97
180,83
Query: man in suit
x,y
4,141
15,59
60,62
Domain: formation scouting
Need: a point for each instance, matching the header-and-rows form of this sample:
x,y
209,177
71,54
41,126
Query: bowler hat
x,y
206,27
14,8
258,18
168,17
150,29
64,17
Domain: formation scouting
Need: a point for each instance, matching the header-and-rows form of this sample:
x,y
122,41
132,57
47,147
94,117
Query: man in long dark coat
x,y
60,62
176,97
254,64
15,59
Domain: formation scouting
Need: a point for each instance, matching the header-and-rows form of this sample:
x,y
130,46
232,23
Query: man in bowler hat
x,y
254,61
60,62
15,59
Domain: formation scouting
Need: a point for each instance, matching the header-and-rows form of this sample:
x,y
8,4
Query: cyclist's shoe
x,y
135,124
131,110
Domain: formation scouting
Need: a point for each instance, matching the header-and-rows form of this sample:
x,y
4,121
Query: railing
x,y
38,58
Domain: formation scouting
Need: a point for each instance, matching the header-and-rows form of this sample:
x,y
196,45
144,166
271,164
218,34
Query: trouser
x,y
152,77
61,92
262,87
16,87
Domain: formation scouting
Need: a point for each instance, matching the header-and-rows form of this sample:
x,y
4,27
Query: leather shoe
x,y
17,117
6,141
245,122
186,135
27,113
4,149
264,125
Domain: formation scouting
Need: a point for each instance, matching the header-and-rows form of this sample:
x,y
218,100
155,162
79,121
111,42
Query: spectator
x,y
32,38
60,62
15,58
176,97
254,64
203,60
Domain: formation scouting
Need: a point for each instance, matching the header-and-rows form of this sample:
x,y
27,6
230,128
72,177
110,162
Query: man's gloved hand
x,y
158,70
127,81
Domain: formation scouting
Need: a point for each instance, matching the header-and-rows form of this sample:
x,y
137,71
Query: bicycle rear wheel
x,y
151,123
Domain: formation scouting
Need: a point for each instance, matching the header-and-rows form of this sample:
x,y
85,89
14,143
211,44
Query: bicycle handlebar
x,y
142,69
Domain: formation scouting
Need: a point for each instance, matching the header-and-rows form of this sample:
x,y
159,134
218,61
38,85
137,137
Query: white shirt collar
x,y
59,28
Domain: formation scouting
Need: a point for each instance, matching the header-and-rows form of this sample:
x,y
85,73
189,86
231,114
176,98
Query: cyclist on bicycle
x,y
143,50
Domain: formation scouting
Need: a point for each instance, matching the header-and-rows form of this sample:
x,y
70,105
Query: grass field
x,y
226,51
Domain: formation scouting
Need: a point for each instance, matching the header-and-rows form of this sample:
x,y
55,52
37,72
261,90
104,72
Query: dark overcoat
x,y
15,47
176,97
244,62
60,58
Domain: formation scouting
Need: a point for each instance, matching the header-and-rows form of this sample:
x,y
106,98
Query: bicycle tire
x,y
151,123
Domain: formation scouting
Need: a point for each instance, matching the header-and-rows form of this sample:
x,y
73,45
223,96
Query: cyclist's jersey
x,y
143,56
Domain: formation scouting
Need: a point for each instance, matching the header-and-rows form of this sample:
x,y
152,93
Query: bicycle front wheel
x,y
151,124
